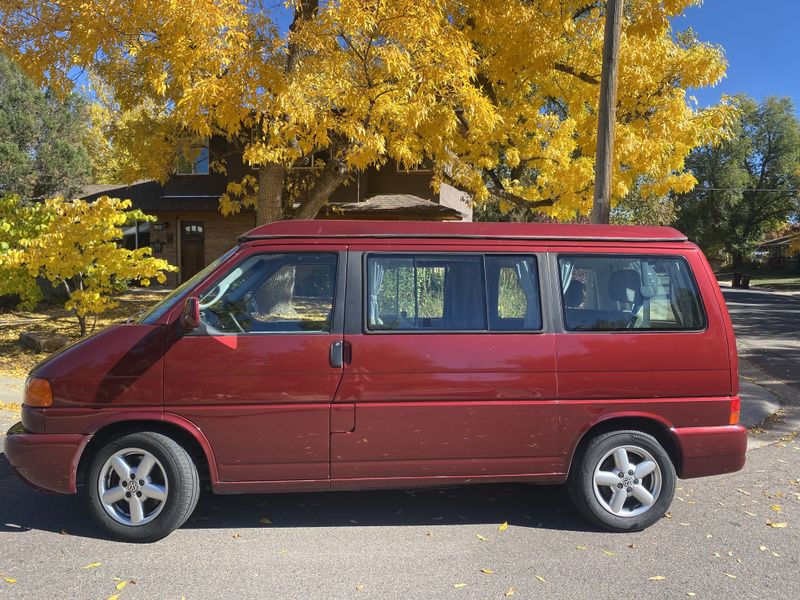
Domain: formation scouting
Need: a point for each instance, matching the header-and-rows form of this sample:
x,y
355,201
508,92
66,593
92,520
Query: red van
x,y
336,355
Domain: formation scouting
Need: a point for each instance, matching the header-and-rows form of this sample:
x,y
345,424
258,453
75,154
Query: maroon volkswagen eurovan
x,y
336,355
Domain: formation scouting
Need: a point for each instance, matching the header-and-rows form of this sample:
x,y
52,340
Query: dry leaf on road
x,y
503,527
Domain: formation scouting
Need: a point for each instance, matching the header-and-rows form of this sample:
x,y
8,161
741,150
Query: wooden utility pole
x,y
607,114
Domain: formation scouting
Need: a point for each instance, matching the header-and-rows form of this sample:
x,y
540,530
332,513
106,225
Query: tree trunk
x,y
738,260
331,178
82,323
269,199
274,298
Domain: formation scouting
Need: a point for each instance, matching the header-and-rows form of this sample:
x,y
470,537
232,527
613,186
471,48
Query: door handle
x,y
339,354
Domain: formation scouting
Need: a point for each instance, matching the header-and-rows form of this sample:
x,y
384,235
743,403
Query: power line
x,y
710,189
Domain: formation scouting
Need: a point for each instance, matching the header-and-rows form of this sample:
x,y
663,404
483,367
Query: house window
x,y
136,236
194,164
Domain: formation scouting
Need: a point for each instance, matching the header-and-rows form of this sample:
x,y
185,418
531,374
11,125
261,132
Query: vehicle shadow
x,y
548,507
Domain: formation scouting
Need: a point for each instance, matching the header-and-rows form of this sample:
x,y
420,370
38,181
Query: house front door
x,y
192,241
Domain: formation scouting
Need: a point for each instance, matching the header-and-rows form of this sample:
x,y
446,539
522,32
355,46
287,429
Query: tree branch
x,y
593,79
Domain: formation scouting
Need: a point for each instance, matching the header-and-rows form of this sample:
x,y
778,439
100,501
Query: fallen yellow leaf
x,y
775,554
729,575
487,571
113,597
581,548
503,527
10,580
608,553
480,537
776,507
692,594
778,525
542,579
762,548
360,587
657,578
509,592
458,586
91,565
121,585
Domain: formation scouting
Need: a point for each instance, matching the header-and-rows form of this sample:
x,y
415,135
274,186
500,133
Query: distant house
x,y
190,232
778,254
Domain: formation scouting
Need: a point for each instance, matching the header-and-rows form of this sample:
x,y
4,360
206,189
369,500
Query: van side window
x,y
612,292
270,293
513,293
426,292
446,293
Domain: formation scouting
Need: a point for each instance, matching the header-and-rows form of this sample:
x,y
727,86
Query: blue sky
x,y
761,41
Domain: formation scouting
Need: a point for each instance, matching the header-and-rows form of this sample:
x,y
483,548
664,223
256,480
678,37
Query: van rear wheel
x,y
622,480
141,487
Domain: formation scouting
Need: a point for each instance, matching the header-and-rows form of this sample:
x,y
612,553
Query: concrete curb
x,y
780,423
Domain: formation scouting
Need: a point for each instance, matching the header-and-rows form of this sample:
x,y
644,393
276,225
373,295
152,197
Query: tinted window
x,y
430,292
513,293
612,292
273,293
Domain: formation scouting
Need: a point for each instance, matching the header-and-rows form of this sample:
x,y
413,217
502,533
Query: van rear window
x,y
614,293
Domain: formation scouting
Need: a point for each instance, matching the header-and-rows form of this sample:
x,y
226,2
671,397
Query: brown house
x,y
190,231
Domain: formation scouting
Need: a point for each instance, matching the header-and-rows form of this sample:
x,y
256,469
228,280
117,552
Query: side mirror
x,y
190,317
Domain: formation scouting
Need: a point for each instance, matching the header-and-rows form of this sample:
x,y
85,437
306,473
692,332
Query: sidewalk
x,y
11,390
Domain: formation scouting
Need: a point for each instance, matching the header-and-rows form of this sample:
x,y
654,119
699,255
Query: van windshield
x,y
180,292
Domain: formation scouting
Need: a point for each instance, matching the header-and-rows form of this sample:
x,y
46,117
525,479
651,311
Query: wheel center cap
x,y
627,481
133,486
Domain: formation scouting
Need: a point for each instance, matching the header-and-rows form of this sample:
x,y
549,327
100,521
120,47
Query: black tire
x,y
585,496
183,489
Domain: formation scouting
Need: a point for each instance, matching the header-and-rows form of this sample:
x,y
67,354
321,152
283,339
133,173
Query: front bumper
x,y
45,461
710,450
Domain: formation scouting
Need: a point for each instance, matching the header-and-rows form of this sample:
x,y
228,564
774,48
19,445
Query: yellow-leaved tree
x,y
500,95
73,244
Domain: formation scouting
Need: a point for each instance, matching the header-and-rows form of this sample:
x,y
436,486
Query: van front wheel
x,y
141,487
622,480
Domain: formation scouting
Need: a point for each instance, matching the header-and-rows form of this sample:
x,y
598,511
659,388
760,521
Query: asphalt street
x,y
767,326
734,536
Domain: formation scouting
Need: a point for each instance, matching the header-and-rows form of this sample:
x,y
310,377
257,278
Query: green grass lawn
x,y
775,279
